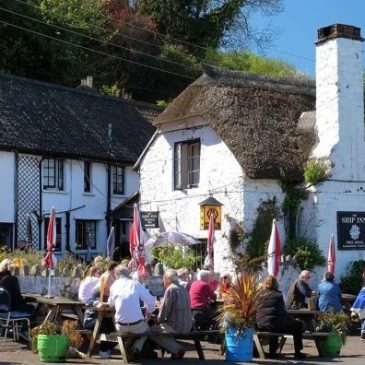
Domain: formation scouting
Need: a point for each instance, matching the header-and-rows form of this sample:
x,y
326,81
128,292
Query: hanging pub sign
x,y
208,207
351,230
149,219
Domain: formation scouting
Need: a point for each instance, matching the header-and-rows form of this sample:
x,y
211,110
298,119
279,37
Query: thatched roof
x,y
256,116
51,120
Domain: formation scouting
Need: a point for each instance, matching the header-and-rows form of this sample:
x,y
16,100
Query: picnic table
x,y
103,312
307,316
56,305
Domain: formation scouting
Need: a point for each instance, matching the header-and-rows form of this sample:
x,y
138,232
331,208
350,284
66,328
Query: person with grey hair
x,y
174,315
155,282
125,296
202,298
183,275
299,291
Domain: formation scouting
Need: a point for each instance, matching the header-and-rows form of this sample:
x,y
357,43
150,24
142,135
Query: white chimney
x,y
340,101
89,81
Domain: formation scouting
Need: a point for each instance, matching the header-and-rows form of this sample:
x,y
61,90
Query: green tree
x,y
27,45
203,22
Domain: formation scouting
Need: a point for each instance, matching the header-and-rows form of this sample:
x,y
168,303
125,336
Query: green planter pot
x,y
330,346
52,348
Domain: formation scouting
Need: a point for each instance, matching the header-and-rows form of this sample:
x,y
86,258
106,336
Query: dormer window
x,y
187,164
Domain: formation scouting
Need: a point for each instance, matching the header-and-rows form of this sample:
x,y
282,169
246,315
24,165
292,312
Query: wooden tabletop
x,y
53,300
302,312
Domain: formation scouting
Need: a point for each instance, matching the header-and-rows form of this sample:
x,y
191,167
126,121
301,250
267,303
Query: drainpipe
x,y
108,168
40,216
67,226
16,199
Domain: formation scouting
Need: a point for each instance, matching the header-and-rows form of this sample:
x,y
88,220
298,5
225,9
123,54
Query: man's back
x,y
201,294
329,296
125,295
175,309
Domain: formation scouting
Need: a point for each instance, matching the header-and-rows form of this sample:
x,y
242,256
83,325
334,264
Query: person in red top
x,y
202,298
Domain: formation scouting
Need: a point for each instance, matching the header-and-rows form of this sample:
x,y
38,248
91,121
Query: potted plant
x,y
237,316
52,343
337,324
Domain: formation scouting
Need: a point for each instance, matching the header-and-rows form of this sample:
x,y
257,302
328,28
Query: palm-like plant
x,y
239,308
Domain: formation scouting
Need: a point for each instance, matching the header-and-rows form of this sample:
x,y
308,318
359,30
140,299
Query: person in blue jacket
x,y
329,294
358,308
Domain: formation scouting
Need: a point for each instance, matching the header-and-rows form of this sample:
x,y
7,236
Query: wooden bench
x,y
259,337
195,336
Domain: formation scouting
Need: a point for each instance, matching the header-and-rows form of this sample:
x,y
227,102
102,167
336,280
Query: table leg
x,y
51,314
95,334
80,314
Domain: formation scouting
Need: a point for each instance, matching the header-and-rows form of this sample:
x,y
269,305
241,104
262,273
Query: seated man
x,y
202,299
271,316
125,296
174,315
299,291
329,294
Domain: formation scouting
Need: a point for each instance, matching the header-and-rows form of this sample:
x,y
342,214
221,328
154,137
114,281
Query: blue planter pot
x,y
239,345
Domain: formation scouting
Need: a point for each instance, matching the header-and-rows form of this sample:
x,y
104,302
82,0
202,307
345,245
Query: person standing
x,y
329,294
299,291
358,308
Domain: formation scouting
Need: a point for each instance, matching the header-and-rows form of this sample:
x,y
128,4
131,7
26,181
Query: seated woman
x,y
11,284
88,283
100,294
271,316
329,294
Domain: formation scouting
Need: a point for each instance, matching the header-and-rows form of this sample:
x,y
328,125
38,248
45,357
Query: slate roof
x,y
51,120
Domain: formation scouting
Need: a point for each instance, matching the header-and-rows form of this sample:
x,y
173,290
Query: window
x,y
6,234
187,164
57,246
53,173
118,179
85,234
87,177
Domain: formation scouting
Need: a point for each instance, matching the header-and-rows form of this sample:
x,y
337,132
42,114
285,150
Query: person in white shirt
x,y
88,283
125,296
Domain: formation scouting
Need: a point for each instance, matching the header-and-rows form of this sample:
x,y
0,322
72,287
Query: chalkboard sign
x,y
149,219
351,230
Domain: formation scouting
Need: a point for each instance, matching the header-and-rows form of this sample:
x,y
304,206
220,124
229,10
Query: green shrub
x,y
351,283
315,171
175,257
305,252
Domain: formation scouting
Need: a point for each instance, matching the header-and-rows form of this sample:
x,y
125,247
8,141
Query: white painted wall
x,y
7,173
95,201
340,126
340,107
220,174
319,218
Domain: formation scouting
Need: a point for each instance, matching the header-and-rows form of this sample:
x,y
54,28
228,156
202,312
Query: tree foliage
x,y
64,40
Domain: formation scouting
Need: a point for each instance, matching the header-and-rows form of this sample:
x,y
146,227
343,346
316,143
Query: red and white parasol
x,y
331,255
274,251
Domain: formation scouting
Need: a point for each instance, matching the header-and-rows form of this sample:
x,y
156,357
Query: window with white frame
x,y
118,179
85,234
187,164
53,173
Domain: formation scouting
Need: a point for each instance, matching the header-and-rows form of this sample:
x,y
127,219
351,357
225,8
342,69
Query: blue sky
x,y
297,28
